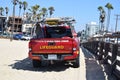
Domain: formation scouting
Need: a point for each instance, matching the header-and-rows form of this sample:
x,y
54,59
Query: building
x,y
91,29
28,23
2,24
83,36
17,25
27,28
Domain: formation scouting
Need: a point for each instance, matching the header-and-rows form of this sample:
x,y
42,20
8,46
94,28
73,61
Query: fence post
x,y
114,56
116,65
106,50
100,52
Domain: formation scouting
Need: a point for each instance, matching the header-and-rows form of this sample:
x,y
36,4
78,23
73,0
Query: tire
x,y
36,63
76,64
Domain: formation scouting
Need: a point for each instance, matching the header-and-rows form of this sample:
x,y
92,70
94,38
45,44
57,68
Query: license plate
x,y
52,57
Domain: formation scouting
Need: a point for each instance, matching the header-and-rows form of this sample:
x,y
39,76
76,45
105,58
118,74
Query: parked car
x,y
17,36
5,35
26,37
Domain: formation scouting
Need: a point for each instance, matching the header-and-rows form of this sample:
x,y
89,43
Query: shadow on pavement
x,y
26,64
95,70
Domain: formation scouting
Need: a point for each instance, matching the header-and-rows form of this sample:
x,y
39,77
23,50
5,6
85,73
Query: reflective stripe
x,y
103,56
109,61
109,53
98,48
98,53
103,50
118,67
118,58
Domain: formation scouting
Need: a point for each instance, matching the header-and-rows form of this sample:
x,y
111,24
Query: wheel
x,y
76,64
36,63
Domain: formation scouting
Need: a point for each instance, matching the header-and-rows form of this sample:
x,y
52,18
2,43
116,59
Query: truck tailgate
x,y
52,46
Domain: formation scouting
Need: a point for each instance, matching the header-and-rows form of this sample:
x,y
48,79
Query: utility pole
x,y
116,22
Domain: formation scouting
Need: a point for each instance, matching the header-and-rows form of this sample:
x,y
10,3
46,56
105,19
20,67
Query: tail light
x,y
74,45
30,46
75,48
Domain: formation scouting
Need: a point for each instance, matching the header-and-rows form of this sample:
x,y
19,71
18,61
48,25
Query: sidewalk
x,y
82,66
95,70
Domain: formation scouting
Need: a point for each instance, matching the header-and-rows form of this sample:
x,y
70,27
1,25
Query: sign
x,y
52,47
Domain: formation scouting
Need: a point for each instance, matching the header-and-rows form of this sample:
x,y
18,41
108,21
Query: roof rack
x,y
58,21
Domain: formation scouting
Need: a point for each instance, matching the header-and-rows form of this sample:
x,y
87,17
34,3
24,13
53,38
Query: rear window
x,y
58,32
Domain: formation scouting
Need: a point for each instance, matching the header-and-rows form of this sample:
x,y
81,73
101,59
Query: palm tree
x,y
51,9
34,10
20,7
7,9
39,16
25,5
1,11
100,8
12,27
44,11
101,18
109,7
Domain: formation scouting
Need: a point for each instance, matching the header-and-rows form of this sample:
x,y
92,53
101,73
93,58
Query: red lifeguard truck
x,y
60,42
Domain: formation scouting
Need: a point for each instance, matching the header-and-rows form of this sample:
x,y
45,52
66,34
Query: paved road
x,y
15,65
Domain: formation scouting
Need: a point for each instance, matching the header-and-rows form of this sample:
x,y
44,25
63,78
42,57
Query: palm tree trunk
x,y
6,26
18,20
23,17
99,24
19,12
12,28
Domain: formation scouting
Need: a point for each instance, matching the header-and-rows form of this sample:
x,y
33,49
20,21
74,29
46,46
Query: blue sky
x,y
84,11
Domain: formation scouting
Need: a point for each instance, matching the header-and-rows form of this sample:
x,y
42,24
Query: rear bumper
x,y
60,57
